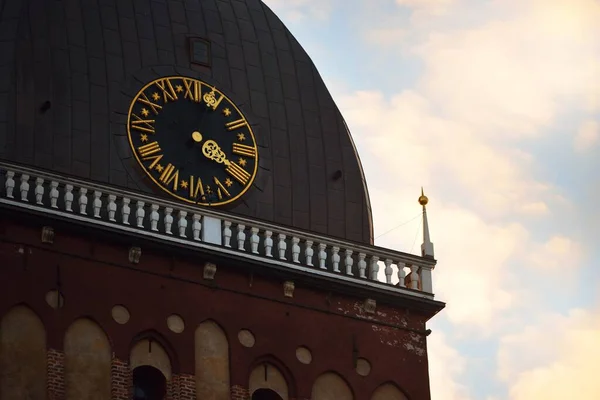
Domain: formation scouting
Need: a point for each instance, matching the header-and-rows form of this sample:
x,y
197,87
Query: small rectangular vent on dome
x,y
200,51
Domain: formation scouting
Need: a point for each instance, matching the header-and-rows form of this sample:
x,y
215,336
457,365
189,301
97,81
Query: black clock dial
x,y
192,141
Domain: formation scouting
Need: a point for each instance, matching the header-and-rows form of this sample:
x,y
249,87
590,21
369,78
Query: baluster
x,y
401,275
83,201
54,194
182,223
322,256
154,217
168,220
268,243
196,226
309,252
295,250
349,262
69,198
335,258
254,240
282,246
140,213
24,188
111,207
241,236
388,270
227,233
97,203
125,211
9,184
374,268
39,191
414,277
362,265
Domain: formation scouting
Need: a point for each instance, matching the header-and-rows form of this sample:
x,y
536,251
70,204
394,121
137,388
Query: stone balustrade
x,y
202,227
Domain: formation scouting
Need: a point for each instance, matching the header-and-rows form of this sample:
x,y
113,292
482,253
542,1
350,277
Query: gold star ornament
x,y
155,96
144,138
227,112
179,88
242,162
145,112
159,167
241,137
184,184
228,182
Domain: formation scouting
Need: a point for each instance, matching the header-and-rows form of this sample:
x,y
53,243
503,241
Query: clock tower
x,y
184,215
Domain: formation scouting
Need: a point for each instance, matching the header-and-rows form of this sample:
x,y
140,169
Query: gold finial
x,y
423,200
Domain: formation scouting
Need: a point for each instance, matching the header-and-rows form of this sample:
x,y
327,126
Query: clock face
x,y
192,141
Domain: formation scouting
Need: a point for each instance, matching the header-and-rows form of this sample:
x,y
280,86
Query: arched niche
x,y
331,386
265,394
148,383
212,362
388,391
151,353
267,376
22,355
87,361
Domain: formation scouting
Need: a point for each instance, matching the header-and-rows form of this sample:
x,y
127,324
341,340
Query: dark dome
x,y
69,69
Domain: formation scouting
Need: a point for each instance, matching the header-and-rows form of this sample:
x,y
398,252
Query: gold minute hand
x,y
212,151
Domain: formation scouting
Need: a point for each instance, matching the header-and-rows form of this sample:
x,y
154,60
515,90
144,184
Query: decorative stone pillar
x,y
56,374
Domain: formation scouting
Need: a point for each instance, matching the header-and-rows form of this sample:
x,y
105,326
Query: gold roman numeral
x,y
146,152
193,90
238,173
167,90
170,176
221,189
144,125
198,188
238,123
149,149
244,150
144,99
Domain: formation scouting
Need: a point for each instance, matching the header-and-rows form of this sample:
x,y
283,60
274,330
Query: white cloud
x,y
514,76
297,10
587,135
555,254
446,366
554,358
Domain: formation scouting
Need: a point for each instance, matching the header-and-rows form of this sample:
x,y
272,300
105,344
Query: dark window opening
x,y
148,383
200,51
265,394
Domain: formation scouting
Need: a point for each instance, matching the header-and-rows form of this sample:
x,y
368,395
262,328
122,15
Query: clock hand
x,y
212,151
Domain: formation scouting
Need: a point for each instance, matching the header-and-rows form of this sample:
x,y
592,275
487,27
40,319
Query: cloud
x,y
298,10
446,366
587,135
513,76
553,358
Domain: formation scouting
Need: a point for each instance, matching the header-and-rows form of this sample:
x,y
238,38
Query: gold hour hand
x,y
212,151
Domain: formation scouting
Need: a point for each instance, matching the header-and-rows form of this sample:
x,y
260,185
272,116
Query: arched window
x,y
148,383
265,394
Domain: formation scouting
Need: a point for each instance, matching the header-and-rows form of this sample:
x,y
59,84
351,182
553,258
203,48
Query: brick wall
x,y
187,387
121,379
56,374
239,393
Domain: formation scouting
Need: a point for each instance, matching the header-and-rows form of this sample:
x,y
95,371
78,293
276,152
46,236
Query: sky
x,y
494,108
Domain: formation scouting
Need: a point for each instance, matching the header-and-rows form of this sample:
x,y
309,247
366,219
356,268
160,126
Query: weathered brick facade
x,y
56,374
121,380
239,393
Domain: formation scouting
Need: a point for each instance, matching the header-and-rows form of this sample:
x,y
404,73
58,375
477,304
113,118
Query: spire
x,y
427,246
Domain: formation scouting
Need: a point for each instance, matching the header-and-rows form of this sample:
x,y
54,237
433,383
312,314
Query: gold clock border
x,y
222,203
